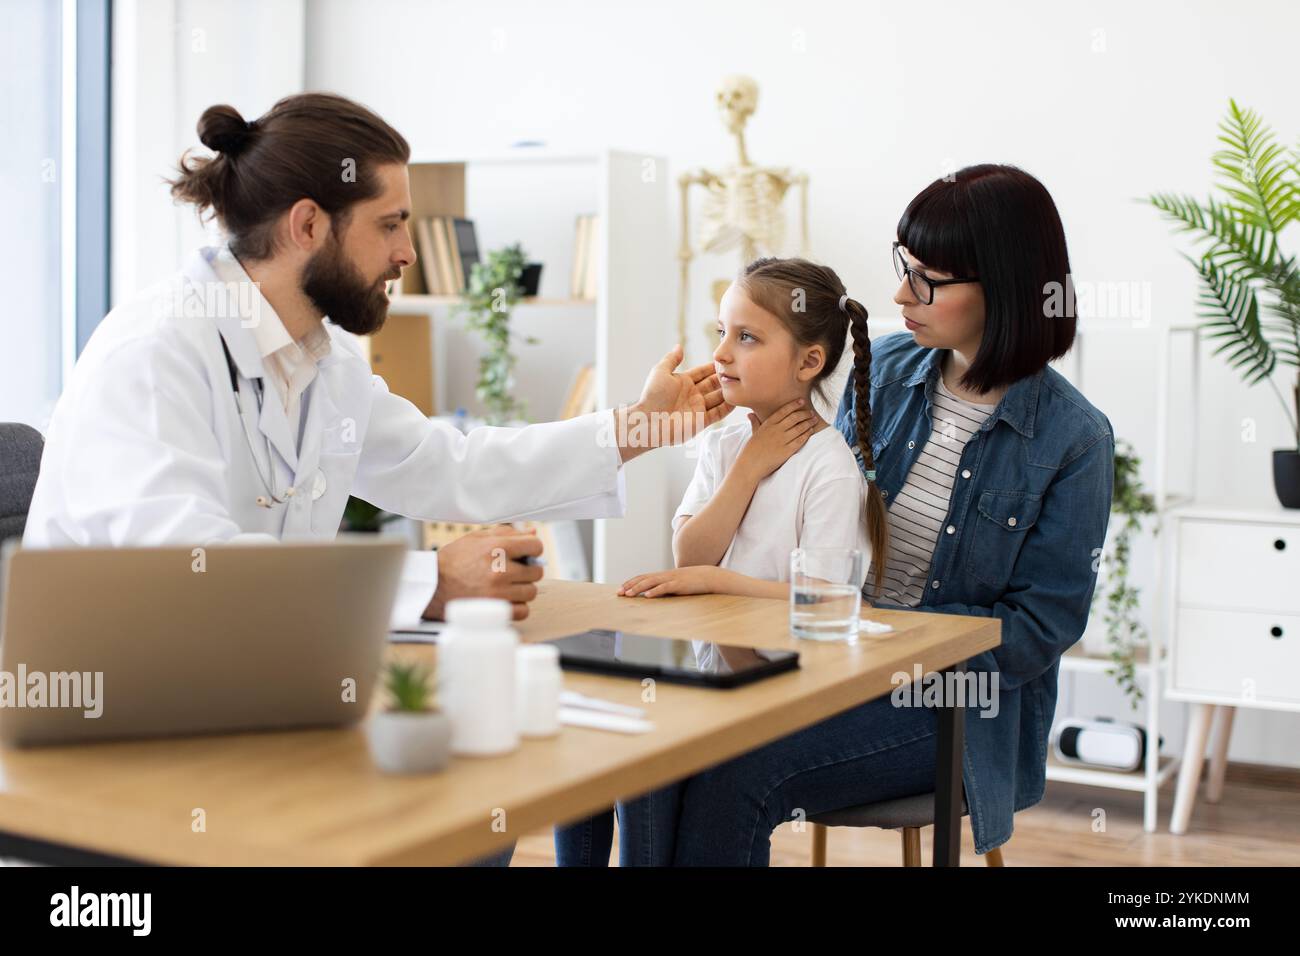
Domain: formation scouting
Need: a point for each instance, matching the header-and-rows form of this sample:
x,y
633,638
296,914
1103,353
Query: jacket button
x,y
1011,521
934,584
911,444
965,472
951,529
884,493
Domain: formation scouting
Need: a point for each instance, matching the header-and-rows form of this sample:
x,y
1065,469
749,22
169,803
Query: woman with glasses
x,y
997,474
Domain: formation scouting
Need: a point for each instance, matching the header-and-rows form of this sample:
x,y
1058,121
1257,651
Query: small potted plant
x,y
362,516
409,735
495,287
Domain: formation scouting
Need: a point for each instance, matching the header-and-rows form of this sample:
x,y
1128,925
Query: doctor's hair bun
x,y
302,148
222,130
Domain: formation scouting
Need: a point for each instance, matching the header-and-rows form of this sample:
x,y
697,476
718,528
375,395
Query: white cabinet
x,y
1234,635
1233,613
1243,656
1242,563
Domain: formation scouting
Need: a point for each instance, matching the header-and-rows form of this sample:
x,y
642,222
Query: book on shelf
x,y
448,249
589,285
582,284
579,251
447,284
582,394
466,240
428,256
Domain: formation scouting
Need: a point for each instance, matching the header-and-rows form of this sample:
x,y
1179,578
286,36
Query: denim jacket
x,y
1030,504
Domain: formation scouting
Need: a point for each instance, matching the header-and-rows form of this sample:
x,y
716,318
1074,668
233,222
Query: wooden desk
x,y
314,797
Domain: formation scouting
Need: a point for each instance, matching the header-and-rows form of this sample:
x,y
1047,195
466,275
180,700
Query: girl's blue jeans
x,y
725,816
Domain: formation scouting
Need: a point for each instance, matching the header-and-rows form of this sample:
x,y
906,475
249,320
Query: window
x,y
54,123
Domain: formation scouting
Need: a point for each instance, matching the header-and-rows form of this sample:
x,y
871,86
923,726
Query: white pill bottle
x,y
537,670
476,676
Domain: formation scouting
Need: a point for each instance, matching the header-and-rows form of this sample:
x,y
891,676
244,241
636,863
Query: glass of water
x,y
825,593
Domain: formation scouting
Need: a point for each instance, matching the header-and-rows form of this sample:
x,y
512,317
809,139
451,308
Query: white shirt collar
x,y
290,365
269,331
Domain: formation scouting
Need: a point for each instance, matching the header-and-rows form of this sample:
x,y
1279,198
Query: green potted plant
x,y
495,286
1125,633
409,735
1250,289
362,516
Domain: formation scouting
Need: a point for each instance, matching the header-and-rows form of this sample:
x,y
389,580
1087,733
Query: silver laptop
x,y
101,643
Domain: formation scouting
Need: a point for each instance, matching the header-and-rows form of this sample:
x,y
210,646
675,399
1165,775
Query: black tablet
x,y
676,661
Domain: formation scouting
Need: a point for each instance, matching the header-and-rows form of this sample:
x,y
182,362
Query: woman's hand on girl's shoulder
x,y
696,579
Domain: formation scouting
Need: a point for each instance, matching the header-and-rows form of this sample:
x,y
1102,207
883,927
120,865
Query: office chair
x,y
908,814
20,461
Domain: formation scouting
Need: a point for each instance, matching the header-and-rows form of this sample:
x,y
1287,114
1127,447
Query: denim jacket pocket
x,y
1005,517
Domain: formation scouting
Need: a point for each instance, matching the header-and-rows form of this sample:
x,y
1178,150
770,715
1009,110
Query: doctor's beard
x,y
338,289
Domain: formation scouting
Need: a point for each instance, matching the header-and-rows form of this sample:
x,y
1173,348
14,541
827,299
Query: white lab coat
x,y
146,447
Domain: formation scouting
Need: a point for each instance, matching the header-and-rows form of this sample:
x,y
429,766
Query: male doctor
x,y
221,405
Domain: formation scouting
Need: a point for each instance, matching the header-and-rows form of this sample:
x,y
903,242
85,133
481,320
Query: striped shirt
x,y
918,512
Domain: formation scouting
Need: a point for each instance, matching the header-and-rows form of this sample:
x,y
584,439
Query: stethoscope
x,y
266,500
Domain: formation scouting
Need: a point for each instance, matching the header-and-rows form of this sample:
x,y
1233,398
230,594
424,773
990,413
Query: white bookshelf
x,y
1152,668
534,196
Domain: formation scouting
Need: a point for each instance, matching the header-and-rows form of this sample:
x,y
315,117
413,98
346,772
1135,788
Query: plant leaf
x,y
1229,311
1234,244
1256,171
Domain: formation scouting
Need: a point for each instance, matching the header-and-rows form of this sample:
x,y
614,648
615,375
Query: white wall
x,y
171,60
1105,102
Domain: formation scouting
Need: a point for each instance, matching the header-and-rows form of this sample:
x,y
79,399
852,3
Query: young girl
x,y
781,480
784,478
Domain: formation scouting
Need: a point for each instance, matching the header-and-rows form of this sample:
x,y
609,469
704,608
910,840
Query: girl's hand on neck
x,y
774,440
763,411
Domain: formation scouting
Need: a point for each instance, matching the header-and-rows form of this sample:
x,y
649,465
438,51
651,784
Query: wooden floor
x,y
1257,823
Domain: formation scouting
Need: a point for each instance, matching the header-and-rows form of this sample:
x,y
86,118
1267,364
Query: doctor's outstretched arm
x,y
552,470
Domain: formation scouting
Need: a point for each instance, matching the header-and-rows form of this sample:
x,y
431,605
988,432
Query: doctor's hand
x,y
674,407
486,563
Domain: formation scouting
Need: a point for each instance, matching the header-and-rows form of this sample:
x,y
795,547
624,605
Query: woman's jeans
x,y
725,816
501,858
646,827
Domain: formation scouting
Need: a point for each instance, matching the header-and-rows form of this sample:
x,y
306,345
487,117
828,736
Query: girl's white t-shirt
x,y
816,499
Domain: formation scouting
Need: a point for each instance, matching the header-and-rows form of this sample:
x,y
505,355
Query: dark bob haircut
x,y
999,224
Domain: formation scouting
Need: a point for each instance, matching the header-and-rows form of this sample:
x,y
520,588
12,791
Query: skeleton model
x,y
742,203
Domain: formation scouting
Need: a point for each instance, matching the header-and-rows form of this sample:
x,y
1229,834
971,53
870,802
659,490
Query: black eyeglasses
x,y
922,285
